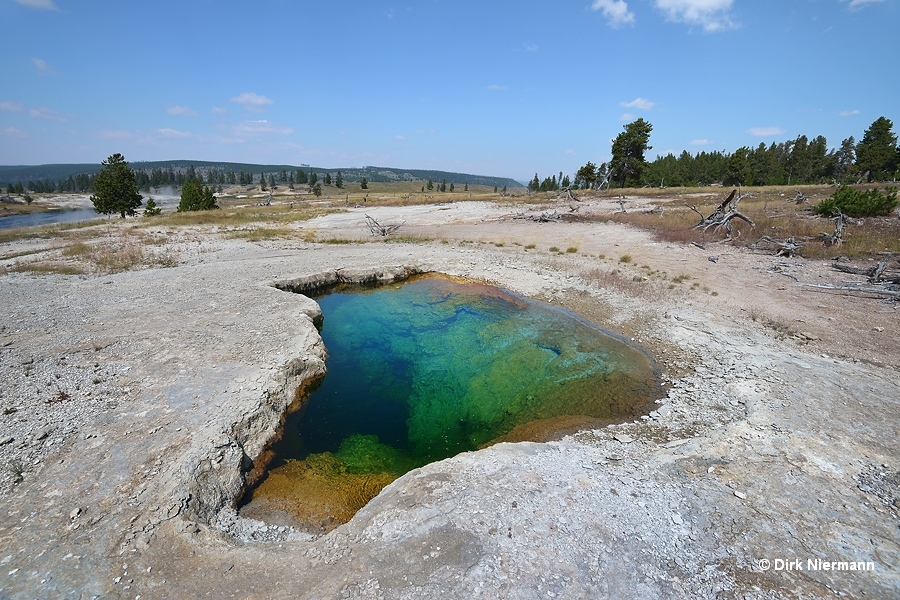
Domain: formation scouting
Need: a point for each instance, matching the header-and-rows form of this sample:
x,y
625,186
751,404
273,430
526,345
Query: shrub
x,y
856,203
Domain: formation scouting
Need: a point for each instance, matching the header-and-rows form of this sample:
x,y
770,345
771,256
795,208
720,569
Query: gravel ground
x,y
133,405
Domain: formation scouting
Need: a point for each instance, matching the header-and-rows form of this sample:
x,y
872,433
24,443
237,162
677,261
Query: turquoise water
x,y
421,371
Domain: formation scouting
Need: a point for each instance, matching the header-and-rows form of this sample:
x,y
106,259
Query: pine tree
x,y
877,151
114,188
196,196
339,180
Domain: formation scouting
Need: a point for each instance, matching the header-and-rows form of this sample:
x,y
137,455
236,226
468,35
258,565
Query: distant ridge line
x,y
57,172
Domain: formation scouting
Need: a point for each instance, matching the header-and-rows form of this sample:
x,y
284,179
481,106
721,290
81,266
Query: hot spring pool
x,y
426,369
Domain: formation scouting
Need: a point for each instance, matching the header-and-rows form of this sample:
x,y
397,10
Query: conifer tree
x,y
114,188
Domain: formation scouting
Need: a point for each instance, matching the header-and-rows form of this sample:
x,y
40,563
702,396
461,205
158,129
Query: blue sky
x,y
495,88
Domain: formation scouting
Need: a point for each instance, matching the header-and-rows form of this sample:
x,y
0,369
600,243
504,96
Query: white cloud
x,y
626,117
181,111
41,4
262,126
42,65
529,47
173,133
46,114
13,132
11,106
765,131
615,11
494,87
700,142
400,138
848,113
570,152
857,4
712,15
219,110
640,104
252,101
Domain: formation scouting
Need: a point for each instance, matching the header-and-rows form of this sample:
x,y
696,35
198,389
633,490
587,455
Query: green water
x,y
421,371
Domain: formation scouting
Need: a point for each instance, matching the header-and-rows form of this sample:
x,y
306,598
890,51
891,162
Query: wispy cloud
x,y
858,4
712,15
700,142
765,131
181,111
400,137
626,117
848,113
42,66
495,87
252,101
640,104
46,114
260,127
173,133
219,110
529,47
39,4
14,133
615,11
11,106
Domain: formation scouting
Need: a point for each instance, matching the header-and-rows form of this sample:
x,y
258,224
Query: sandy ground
x,y
133,404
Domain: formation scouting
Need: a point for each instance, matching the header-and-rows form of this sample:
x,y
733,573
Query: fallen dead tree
x,y
722,216
886,292
883,272
568,195
837,237
786,248
376,228
882,279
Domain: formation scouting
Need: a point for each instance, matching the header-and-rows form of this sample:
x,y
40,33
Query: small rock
x,y
76,512
624,438
7,440
740,495
714,258
677,519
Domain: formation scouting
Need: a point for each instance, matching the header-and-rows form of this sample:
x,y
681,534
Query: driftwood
x,y
722,216
881,279
567,193
800,198
889,293
377,228
837,237
548,216
786,248
545,217
883,272
621,206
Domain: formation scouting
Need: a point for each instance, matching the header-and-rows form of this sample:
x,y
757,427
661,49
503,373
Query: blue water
x,y
48,218
421,371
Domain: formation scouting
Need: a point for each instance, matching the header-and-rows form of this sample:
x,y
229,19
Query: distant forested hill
x,y
43,177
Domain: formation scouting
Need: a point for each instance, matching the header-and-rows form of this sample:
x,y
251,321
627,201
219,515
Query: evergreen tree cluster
x,y
549,184
876,157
